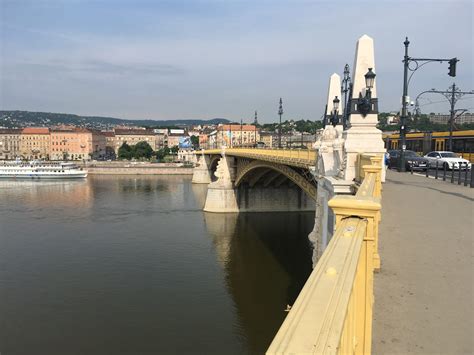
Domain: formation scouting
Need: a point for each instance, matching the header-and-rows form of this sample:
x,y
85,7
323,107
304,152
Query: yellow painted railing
x,y
363,160
333,313
293,157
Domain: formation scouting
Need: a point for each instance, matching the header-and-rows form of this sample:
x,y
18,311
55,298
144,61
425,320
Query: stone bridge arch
x,y
247,167
213,160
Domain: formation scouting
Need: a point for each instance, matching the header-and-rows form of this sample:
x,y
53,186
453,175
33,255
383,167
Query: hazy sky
x,y
205,59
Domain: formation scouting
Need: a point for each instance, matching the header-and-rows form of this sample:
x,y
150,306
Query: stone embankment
x,y
137,168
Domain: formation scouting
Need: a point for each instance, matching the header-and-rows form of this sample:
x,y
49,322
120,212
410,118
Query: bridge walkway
x,y
424,292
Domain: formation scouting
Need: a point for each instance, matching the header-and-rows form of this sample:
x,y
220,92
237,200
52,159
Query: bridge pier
x,y
201,172
221,194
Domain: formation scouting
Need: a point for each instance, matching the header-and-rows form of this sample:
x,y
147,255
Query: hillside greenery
x,y
18,119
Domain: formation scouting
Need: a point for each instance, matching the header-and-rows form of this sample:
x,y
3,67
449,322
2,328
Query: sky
x,y
213,58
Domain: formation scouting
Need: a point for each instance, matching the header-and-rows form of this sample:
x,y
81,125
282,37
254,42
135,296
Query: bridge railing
x,y
299,157
333,313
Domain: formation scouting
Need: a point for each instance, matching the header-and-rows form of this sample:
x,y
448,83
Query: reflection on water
x,y
124,264
267,259
42,193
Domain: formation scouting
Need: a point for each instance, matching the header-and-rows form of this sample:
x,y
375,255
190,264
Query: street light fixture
x,y
280,112
241,123
335,116
346,89
366,104
369,79
255,122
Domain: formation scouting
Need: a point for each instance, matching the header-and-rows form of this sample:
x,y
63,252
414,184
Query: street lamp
x,y
419,62
346,88
280,112
365,103
241,122
335,116
255,122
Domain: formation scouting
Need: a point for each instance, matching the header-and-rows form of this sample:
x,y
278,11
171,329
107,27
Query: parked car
x,y
448,160
412,160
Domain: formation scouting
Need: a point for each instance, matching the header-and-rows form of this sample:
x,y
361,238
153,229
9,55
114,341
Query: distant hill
x,y
27,118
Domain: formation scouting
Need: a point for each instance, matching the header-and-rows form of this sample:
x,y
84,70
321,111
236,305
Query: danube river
x,y
132,265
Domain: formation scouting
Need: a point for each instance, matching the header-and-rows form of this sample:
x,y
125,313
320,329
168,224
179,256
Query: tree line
x,y
143,150
420,123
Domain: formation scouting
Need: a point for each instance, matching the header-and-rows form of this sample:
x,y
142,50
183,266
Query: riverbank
x,y
136,168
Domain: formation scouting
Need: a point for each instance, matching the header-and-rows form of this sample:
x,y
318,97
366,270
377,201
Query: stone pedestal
x,y
361,140
324,221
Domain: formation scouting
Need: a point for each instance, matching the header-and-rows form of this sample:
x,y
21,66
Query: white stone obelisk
x,y
333,91
363,136
325,144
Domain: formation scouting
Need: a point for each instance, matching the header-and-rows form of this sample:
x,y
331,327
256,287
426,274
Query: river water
x,y
132,265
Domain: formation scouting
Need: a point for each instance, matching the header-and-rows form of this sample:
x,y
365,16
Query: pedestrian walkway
x,y
424,292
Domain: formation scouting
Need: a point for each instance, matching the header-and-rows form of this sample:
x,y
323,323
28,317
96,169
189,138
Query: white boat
x,y
41,170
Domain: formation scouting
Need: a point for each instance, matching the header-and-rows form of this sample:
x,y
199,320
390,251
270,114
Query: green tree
x,y
162,153
125,151
195,141
142,150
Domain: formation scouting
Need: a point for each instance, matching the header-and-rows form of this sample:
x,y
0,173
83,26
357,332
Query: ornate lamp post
x,y
241,137
280,113
346,89
255,122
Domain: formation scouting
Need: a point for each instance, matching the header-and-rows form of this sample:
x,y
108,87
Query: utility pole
x,y
280,112
453,94
451,118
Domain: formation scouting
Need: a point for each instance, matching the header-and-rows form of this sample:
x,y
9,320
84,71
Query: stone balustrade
x,y
333,313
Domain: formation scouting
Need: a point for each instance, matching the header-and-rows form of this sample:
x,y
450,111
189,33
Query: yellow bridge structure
x,y
303,158
333,312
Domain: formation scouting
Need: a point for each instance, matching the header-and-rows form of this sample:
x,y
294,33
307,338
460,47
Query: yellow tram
x,y
424,142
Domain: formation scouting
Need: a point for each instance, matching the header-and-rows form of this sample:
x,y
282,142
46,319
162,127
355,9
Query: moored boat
x,y
41,170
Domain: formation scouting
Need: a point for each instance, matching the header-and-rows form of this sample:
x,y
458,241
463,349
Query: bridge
x,y
234,174
341,180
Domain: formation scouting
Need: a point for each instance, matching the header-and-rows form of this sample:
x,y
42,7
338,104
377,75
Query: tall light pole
x,y
280,113
241,137
346,89
419,62
255,122
403,116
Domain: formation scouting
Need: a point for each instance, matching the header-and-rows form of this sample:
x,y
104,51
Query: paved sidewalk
x,y
424,292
